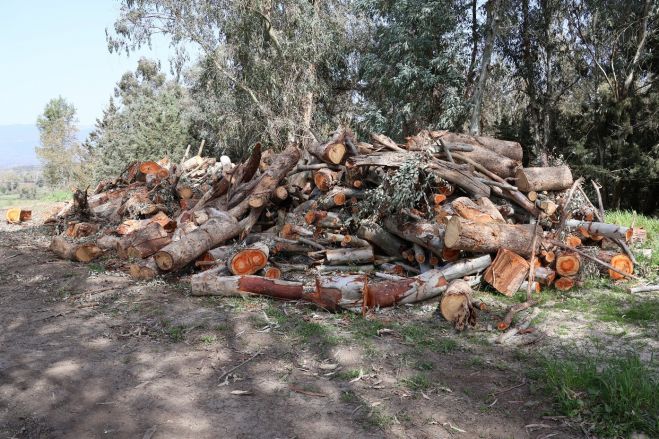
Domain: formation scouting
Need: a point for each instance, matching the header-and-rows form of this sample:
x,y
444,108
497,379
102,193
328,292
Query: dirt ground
x,y
85,352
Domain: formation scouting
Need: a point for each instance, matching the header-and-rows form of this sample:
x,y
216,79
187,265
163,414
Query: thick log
x,y
456,305
354,242
460,175
620,261
466,235
564,283
612,231
332,152
507,272
213,233
507,148
73,251
491,209
130,226
249,260
568,264
338,196
382,239
150,168
426,234
323,219
143,242
555,178
380,140
144,270
343,256
107,242
496,163
325,179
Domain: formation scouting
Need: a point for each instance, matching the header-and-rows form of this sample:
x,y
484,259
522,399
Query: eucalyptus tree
x,y
271,62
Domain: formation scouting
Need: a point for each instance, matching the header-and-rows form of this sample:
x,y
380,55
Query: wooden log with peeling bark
x,y
507,272
332,152
507,148
556,178
469,236
496,163
379,237
456,305
612,231
130,226
427,234
345,256
249,260
107,242
74,251
143,242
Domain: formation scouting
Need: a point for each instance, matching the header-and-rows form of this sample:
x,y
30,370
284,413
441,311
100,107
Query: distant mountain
x,y
17,144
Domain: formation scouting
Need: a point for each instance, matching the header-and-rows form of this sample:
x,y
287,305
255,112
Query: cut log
x,y
491,209
249,260
272,273
342,256
73,251
332,152
568,264
130,226
456,305
280,194
143,270
612,231
555,178
535,287
496,163
16,215
323,219
382,239
469,210
573,241
438,199
426,234
419,254
620,261
507,148
150,168
185,192
325,179
354,242
107,242
213,233
143,242
507,272
450,255
214,257
548,256
564,283
466,235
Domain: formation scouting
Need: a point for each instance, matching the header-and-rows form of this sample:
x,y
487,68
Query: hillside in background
x,y
17,144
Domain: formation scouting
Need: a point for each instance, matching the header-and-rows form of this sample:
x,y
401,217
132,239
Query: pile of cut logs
x,y
296,224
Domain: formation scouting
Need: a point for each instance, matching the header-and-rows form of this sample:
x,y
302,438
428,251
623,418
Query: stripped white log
x,y
613,231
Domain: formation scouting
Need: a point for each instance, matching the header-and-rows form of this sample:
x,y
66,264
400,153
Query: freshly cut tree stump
x,y
456,305
568,264
74,251
325,179
590,229
564,283
469,236
507,272
249,260
382,239
427,234
555,178
344,256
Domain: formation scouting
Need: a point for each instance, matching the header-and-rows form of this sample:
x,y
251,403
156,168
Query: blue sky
x,y
51,48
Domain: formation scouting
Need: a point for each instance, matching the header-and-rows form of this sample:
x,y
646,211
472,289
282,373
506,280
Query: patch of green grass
x,y
349,397
275,313
417,382
476,361
651,225
424,365
312,332
221,327
617,395
56,196
377,418
421,336
176,333
347,375
362,328
95,267
208,339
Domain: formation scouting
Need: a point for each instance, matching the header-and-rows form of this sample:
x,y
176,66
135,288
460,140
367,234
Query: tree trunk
x,y
144,242
427,234
568,264
342,256
555,178
490,35
249,260
489,237
612,231
456,305
325,179
382,239
469,210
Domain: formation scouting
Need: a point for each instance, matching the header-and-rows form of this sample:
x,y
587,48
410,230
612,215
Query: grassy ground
x,y
43,197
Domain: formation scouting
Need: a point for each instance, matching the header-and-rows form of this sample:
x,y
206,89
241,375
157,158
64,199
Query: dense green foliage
x,y
573,81
150,122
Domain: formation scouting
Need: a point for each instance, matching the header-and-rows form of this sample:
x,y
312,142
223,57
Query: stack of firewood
x,y
353,225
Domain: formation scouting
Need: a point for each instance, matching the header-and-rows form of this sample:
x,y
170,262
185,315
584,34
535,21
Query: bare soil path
x,y
87,353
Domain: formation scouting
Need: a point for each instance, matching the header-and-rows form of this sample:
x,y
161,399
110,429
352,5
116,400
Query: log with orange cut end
x,y
568,264
249,260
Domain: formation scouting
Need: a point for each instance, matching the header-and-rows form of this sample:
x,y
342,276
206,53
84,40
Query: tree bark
x,y
382,239
555,178
426,234
456,305
612,231
507,272
489,237
73,251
